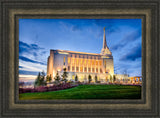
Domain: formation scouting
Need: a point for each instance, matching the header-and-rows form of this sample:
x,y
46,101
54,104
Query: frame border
x,y
9,107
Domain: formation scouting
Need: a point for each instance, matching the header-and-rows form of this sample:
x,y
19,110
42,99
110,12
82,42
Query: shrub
x,y
45,88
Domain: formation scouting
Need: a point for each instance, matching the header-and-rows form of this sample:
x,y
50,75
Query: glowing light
x,y
58,69
63,53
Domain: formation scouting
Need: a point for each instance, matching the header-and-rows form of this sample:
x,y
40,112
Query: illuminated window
x,y
81,61
69,61
89,69
64,61
92,62
73,68
73,60
100,70
96,70
76,61
93,70
81,69
96,63
100,63
85,61
68,68
105,63
89,62
77,69
85,69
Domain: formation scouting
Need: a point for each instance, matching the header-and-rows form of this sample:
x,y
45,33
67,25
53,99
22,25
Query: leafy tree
x,y
40,81
114,78
48,78
57,78
76,78
96,79
64,75
89,78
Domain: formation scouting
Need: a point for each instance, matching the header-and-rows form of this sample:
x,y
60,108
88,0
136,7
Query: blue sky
x,y
38,36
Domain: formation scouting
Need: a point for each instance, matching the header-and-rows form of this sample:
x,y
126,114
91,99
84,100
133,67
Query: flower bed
x,y
45,88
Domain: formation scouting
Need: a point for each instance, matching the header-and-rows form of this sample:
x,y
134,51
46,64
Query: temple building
x,y
82,64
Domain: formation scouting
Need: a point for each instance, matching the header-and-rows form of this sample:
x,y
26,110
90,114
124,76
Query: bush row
x,y
45,88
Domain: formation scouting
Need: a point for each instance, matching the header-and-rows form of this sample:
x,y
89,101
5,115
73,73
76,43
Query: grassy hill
x,y
88,92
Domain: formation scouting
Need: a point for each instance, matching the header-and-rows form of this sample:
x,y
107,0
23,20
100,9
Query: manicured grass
x,y
89,92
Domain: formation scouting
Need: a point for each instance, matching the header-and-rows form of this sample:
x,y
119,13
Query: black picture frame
x,y
12,10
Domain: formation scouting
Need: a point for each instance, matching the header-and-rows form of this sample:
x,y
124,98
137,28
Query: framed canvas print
x,y
79,58
82,74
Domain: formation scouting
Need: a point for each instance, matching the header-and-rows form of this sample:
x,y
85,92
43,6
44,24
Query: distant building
x,y
82,64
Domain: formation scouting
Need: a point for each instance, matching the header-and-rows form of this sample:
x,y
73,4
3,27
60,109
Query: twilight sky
x,y
38,36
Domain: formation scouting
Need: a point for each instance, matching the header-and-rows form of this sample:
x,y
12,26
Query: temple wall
x,y
110,66
80,64
50,64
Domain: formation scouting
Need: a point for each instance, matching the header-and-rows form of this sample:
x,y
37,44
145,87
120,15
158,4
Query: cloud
x,y
132,55
28,48
30,60
20,67
23,72
132,36
29,66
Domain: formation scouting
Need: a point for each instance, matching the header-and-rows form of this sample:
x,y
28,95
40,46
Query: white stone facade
x,y
82,64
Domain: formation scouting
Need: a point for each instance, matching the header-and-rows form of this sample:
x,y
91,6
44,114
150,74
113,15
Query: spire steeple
x,y
105,50
104,40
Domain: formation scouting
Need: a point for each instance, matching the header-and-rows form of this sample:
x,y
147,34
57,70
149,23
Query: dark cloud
x,y
133,55
20,67
30,60
28,72
28,48
133,36
117,46
43,52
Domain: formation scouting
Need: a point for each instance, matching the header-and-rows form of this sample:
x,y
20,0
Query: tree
x,y
48,78
114,78
76,78
89,78
64,75
111,78
40,80
57,78
96,79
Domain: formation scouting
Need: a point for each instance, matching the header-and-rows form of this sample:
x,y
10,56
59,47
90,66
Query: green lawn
x,y
89,92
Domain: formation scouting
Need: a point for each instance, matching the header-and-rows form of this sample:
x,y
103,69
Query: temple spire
x,y
104,40
105,49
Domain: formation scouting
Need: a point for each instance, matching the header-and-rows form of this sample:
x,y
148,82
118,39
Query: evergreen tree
x,y
57,78
40,81
76,78
37,81
89,78
64,75
96,79
48,78
114,78
110,78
